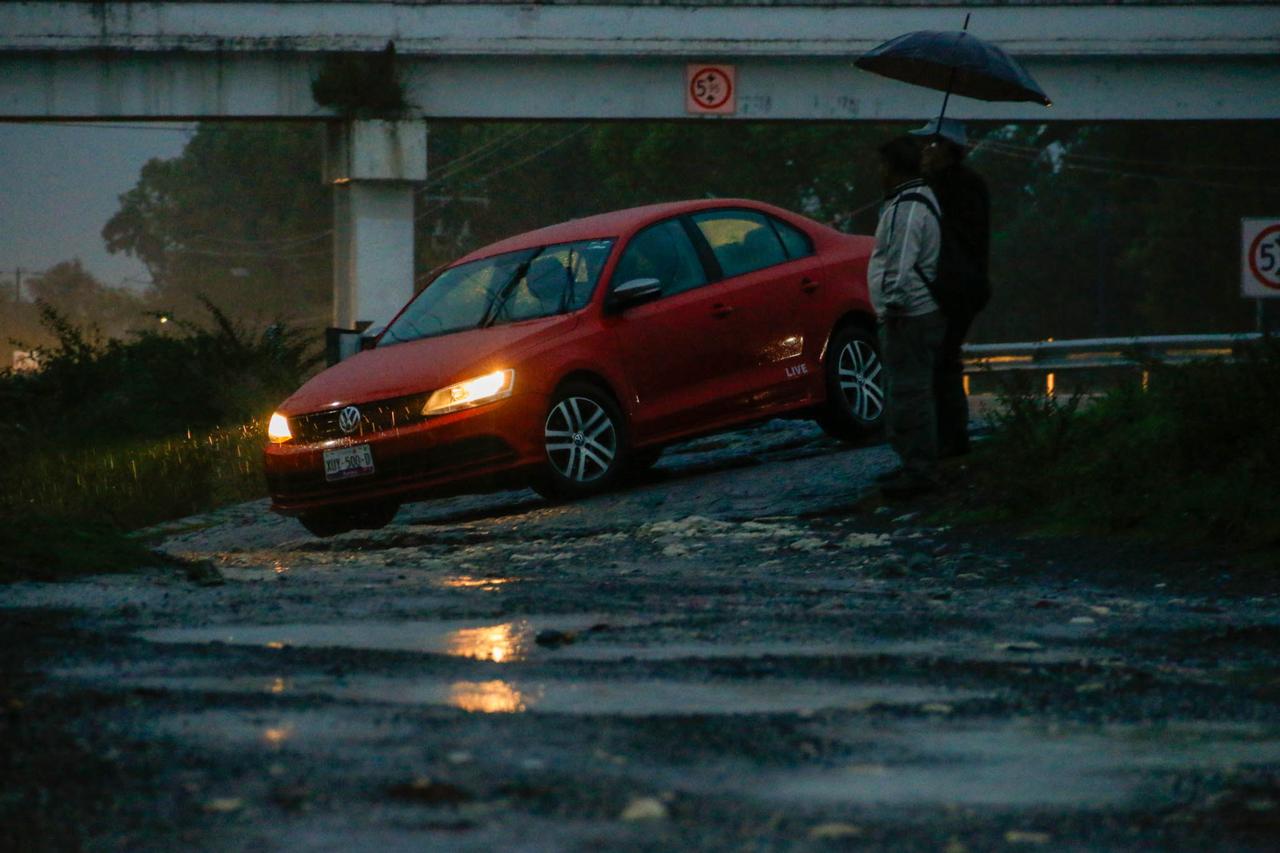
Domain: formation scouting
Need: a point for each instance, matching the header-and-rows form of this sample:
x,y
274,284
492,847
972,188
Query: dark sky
x,y
59,185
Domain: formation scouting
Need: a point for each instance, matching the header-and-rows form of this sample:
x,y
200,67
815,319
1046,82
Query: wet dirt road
x,y
728,655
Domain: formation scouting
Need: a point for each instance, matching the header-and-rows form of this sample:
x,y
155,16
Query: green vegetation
x,y
1193,459
111,436
361,85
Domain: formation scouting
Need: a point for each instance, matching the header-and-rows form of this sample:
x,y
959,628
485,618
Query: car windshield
x,y
506,288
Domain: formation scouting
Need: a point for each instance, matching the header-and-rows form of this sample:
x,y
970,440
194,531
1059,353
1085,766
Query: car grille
x,y
374,417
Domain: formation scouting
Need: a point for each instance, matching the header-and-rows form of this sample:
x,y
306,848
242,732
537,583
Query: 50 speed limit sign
x,y
1260,261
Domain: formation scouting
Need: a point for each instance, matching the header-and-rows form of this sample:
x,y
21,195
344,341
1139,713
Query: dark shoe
x,y
908,486
954,450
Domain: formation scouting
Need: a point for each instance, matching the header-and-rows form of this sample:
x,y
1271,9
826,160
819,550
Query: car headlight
x,y
473,392
278,428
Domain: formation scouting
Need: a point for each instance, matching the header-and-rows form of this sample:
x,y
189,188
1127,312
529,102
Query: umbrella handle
x,y
951,78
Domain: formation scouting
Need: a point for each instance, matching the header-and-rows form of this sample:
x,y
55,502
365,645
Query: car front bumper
x,y
434,456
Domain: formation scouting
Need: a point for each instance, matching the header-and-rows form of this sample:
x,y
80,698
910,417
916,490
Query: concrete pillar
x,y
373,166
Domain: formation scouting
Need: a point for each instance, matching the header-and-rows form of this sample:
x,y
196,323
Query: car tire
x,y
584,441
331,522
854,375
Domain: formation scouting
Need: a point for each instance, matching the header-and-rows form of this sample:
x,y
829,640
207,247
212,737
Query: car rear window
x,y
742,241
797,242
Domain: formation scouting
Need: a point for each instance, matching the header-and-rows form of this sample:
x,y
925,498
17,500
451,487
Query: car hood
x,y
421,366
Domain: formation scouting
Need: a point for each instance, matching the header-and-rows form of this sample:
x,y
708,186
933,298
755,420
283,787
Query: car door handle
x,y
721,310
808,285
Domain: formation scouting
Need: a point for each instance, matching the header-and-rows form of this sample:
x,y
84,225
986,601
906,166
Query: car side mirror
x,y
635,292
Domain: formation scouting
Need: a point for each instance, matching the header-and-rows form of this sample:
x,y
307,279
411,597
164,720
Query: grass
x,y
1191,460
139,483
66,512
109,437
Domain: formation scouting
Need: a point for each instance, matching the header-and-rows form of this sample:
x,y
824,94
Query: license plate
x,y
347,462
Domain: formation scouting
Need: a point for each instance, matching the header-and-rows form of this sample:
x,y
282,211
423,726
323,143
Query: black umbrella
x,y
954,62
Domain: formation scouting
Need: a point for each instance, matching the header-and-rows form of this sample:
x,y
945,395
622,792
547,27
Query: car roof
x,y
616,223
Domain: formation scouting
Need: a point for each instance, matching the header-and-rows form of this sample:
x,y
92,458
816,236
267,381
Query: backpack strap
x,y
932,208
925,200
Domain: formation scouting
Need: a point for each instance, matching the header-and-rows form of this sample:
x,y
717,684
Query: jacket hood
x,y
420,366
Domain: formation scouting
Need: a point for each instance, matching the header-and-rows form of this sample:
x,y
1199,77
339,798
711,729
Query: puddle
x,y
501,642
631,698
1021,765
280,730
513,640
960,649
709,651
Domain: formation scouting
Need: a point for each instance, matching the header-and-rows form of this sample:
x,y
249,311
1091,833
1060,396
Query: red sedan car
x,y
563,357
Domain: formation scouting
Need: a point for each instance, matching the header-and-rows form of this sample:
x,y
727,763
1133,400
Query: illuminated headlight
x,y
278,429
473,392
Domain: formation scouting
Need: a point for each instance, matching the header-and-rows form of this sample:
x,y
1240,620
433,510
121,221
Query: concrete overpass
x,y
599,59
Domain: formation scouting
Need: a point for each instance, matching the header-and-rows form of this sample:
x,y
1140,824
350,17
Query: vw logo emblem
x,y
349,419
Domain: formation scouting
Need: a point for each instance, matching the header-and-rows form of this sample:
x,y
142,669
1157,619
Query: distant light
x,y
163,319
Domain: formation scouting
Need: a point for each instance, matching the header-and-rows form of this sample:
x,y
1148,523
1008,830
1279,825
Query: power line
x,y
280,241
464,161
508,167
1067,154
1175,179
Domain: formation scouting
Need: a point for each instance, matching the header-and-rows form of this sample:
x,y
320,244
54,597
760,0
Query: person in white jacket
x,y
908,243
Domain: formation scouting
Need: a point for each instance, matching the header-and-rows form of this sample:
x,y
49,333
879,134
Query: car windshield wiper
x,y
500,298
570,284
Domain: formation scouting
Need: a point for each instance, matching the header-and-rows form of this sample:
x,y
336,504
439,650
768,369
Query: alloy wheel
x,y
581,439
859,371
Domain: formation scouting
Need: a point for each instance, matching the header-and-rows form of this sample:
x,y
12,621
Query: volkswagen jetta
x,y
566,356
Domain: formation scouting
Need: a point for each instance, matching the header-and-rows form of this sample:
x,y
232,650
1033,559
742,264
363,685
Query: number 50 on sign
x,y
1260,257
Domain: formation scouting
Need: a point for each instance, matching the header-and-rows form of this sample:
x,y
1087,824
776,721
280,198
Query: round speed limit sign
x,y
1260,242
710,90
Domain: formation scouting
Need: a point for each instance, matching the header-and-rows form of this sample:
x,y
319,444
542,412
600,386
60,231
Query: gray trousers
x,y
911,348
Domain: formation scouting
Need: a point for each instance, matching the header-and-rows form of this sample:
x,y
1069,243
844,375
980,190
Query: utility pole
x,y
17,285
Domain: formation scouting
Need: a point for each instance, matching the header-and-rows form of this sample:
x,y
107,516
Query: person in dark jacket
x,y
966,208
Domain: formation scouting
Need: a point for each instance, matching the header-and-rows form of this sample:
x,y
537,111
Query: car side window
x,y
664,252
741,240
797,242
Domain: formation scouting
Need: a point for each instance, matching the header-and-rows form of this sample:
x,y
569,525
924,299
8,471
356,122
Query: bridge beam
x,y
373,166
611,60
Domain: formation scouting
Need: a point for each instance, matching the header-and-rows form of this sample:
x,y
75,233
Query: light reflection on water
x,y
498,643
275,736
503,642
469,582
490,697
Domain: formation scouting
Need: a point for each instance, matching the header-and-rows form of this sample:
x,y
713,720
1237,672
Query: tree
x,y
74,293
241,216
1122,229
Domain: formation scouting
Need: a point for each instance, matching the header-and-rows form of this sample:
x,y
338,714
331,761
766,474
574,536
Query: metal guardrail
x,y
1048,356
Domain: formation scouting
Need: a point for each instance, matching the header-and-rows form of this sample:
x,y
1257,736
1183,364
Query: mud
x,y
742,644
